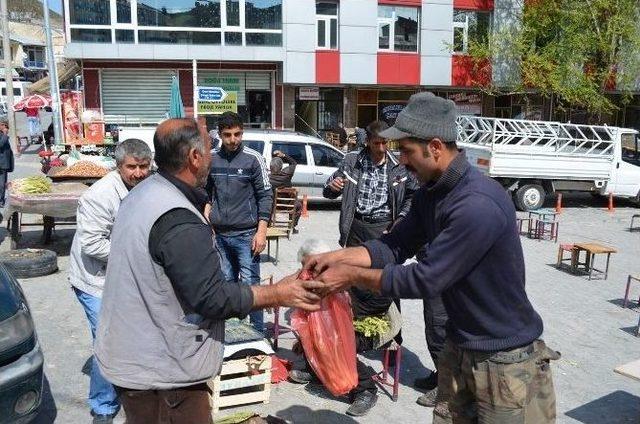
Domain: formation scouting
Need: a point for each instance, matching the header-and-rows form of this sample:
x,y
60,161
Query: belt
x,y
372,219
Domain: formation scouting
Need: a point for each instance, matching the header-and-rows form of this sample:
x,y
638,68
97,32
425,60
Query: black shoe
x,y
428,399
426,383
103,418
363,402
295,231
300,377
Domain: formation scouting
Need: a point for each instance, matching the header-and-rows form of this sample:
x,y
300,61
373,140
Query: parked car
x,y
21,359
316,159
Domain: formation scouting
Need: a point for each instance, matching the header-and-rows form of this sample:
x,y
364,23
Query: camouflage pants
x,y
506,387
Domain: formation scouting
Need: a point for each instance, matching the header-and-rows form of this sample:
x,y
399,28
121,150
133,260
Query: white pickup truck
x,y
534,158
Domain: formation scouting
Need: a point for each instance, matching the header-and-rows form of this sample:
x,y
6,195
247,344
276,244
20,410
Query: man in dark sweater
x,y
494,368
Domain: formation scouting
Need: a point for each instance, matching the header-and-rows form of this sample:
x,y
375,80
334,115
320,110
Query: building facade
x,y
305,64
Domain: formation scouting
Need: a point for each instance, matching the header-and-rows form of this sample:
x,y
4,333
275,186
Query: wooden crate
x,y
242,381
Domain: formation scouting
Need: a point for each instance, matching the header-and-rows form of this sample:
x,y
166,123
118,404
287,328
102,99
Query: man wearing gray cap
x,y
494,368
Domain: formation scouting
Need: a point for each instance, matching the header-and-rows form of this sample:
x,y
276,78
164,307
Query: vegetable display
x,y
83,169
36,184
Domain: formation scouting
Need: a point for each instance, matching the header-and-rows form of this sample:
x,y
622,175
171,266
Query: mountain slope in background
x,y
30,11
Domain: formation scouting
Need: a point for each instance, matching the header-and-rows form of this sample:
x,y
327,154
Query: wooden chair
x,y
284,209
333,139
626,292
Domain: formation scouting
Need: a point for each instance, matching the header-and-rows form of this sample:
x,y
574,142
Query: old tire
x,y
29,263
529,197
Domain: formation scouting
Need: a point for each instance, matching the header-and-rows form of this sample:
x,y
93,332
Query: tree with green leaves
x,y
575,50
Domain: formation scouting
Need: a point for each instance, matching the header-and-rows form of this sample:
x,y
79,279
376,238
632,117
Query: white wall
x,y
436,38
299,41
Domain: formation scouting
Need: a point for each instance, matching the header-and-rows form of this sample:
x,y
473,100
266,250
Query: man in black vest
x,y
6,159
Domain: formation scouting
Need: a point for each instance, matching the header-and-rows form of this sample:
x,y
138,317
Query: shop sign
x,y
467,103
389,112
309,93
211,94
227,83
229,104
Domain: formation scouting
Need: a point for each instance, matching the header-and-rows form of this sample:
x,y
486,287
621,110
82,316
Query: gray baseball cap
x,y
426,116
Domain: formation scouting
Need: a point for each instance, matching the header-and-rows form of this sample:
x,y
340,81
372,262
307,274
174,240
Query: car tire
x,y
30,263
529,197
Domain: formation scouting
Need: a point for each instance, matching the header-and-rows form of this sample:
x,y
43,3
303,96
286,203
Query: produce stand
x,y
57,208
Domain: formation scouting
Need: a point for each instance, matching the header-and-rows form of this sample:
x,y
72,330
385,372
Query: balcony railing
x,y
35,64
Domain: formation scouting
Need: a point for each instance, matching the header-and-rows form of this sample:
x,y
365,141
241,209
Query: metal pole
x,y
53,77
195,89
8,74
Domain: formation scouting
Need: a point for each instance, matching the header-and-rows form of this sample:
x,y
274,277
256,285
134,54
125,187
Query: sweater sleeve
x,y
463,243
262,188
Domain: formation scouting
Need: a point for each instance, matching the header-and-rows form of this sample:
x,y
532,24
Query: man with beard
x,y
494,368
161,330
97,209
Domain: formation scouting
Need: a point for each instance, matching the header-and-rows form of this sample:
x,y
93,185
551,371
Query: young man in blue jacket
x,y
241,199
494,368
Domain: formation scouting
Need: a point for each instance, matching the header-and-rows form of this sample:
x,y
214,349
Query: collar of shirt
x,y
230,155
196,195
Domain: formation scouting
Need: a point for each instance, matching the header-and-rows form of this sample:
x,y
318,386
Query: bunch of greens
x,y
372,326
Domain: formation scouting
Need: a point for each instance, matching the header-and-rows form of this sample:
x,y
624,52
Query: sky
x,y
55,5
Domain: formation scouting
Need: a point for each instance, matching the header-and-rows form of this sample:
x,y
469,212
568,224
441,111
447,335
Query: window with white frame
x,y
227,22
327,25
469,26
398,28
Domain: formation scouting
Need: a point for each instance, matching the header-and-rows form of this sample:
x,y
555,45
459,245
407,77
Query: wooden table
x,y
591,250
543,214
631,370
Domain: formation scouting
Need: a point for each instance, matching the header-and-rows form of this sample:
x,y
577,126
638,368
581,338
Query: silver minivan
x,y
316,159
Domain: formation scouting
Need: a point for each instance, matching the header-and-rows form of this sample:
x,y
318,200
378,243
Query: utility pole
x,y
54,85
8,74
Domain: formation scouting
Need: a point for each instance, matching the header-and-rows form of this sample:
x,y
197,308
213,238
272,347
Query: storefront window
x,y
179,13
178,37
89,12
91,35
263,14
322,114
398,28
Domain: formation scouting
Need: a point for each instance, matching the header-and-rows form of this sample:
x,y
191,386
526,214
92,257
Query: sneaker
x,y
363,402
103,418
428,399
295,231
300,377
426,383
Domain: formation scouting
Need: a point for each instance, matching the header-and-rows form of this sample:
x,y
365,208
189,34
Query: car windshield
x,y
9,297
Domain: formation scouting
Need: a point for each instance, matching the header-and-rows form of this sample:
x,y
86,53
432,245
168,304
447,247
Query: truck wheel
x,y
529,197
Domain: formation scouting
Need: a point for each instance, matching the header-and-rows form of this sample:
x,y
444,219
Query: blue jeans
x,y
103,399
239,265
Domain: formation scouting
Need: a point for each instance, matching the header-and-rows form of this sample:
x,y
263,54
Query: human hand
x,y
207,212
297,293
259,242
337,184
316,264
336,278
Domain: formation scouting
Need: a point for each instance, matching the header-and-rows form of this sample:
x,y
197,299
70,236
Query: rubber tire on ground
x,y
29,263
524,204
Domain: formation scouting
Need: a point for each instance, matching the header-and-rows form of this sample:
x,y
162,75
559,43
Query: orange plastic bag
x,y
329,341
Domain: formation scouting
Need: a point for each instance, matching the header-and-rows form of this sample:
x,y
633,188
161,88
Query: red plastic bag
x,y
329,341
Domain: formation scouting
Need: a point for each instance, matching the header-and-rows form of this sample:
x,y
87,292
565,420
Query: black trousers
x,y
3,185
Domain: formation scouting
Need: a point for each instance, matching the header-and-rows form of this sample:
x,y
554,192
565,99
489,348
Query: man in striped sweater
x,y
241,198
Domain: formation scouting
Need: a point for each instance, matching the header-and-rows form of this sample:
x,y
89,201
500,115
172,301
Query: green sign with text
x,y
228,104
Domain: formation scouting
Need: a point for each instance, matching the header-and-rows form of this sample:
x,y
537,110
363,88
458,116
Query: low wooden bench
x,y
591,250
631,370
275,234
